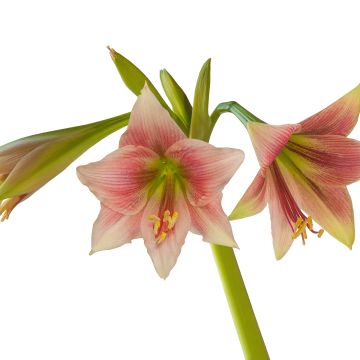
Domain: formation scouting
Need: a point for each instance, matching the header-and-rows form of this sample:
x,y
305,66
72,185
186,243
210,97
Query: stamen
x,y
7,206
161,226
320,232
156,227
172,220
300,228
161,238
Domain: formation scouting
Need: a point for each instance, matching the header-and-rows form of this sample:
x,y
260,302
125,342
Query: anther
x,y
161,238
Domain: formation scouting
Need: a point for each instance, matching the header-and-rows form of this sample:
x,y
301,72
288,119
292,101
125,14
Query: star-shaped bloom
x,y
158,186
305,169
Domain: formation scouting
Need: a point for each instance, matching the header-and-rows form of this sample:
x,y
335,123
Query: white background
x,y
281,60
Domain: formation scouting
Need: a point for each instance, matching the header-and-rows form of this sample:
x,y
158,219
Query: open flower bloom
x,y
29,163
305,169
159,185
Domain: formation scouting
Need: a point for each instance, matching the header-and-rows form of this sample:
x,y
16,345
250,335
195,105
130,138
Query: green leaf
x,y
50,153
177,97
200,122
135,80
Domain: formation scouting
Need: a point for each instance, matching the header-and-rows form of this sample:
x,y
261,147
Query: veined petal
x,y
211,222
150,125
330,160
337,119
165,251
281,228
330,207
253,201
121,180
269,140
112,229
205,168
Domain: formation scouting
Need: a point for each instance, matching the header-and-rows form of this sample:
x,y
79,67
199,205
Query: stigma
x,y
303,223
162,225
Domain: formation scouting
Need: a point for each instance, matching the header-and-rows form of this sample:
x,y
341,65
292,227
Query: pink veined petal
x,y
269,140
253,201
150,125
112,229
281,229
330,160
337,119
164,254
205,168
121,180
330,207
211,222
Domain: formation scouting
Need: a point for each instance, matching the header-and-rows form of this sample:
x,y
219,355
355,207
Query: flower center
x,y
162,225
297,220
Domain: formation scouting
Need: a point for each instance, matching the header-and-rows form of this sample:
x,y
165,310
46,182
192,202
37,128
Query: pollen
x,y
301,225
161,238
162,225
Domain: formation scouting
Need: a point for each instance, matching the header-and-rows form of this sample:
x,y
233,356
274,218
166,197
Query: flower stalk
x,y
238,299
240,306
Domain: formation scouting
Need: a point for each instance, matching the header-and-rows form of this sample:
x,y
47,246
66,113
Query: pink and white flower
x,y
306,167
158,186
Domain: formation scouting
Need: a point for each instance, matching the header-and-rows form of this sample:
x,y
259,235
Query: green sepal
x,y
201,125
177,97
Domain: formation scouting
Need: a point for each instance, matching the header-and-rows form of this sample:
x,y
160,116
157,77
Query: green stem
x,y
238,299
240,306
236,109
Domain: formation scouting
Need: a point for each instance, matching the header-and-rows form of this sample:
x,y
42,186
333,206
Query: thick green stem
x,y
241,310
240,306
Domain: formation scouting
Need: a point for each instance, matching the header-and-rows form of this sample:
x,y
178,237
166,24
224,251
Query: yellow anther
x,y
172,220
154,218
298,222
156,226
301,229
321,231
167,216
161,238
310,222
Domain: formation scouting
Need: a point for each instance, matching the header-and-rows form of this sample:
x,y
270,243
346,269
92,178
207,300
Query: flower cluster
x,y
163,182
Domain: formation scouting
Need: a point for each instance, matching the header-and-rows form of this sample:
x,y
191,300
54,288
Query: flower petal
x,y
330,207
211,222
280,227
112,229
253,201
337,119
164,254
150,125
269,140
121,180
207,169
330,160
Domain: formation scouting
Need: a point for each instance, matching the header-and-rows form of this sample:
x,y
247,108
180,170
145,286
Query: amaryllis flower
x,y
304,172
29,163
159,185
